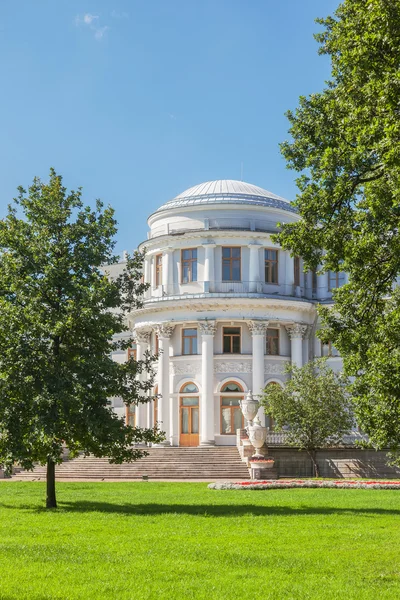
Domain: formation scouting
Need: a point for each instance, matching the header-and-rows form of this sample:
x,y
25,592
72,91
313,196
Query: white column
x,y
164,332
142,344
257,329
308,278
296,332
254,267
322,284
306,345
207,426
146,269
209,274
167,272
289,275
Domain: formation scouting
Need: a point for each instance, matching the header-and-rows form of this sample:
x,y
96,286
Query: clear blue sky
x,y
137,101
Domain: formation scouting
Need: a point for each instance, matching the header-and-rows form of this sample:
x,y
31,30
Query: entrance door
x,y
189,421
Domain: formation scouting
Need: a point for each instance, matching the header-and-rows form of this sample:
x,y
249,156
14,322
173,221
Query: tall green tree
x,y
313,408
346,146
58,314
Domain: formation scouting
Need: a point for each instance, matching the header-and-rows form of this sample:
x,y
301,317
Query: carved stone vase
x,y
257,436
249,407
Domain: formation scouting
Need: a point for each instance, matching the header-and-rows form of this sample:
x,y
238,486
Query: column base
x,y
207,443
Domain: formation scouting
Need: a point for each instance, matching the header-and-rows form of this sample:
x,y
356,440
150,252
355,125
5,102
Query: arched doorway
x,y
231,414
189,415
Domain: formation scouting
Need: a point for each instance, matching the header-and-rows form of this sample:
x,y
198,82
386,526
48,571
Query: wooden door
x,y
189,421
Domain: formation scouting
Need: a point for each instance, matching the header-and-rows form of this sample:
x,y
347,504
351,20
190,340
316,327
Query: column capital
x,y
296,330
164,330
257,327
142,335
207,327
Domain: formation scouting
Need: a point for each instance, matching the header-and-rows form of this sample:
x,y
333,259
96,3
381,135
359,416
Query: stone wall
x,y
334,462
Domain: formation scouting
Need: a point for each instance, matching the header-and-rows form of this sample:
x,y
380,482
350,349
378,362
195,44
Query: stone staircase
x,y
222,462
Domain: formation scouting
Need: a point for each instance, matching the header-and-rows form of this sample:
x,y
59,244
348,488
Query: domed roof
x,y
227,191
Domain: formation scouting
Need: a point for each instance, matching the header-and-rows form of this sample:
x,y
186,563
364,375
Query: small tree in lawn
x,y
59,313
313,408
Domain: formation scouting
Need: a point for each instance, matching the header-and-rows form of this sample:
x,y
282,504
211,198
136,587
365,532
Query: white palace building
x,y
227,308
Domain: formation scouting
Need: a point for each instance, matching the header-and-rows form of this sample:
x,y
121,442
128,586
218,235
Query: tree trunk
x,y
313,456
51,501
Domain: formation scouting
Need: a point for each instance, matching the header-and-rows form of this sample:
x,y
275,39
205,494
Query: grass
x,y
145,541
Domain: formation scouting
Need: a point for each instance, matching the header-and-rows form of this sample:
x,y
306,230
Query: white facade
x,y
219,288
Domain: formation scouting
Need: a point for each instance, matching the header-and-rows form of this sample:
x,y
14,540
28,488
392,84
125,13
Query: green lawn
x,y
180,540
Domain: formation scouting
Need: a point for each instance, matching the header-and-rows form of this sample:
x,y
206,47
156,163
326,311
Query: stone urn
x,y
249,407
257,436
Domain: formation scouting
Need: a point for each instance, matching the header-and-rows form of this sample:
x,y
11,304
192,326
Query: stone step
x,y
161,463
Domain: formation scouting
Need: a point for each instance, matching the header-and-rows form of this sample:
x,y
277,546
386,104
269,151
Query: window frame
x,y
268,262
190,262
336,276
231,259
277,329
158,269
190,338
231,335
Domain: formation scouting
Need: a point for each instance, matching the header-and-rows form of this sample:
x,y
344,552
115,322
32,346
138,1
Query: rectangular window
x,y
272,342
189,341
271,266
189,265
131,415
297,270
158,269
231,415
336,279
231,340
231,264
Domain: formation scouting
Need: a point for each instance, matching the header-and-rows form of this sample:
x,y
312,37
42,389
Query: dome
x,y
227,191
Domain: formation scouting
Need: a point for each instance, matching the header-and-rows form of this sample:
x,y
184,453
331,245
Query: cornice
x,y
203,235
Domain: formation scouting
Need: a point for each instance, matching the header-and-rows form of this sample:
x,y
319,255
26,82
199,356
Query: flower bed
x,y
275,484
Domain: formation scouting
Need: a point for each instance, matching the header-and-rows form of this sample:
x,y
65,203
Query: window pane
x,y
226,426
190,388
236,270
194,270
194,345
232,330
186,345
186,253
226,272
237,419
226,252
236,252
190,401
226,344
236,344
185,274
185,420
274,273
195,420
230,401
231,387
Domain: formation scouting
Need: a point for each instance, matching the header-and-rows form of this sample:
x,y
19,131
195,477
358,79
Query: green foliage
x,y
58,315
345,143
313,408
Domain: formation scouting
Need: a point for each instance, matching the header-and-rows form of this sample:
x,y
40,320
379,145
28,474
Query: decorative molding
x,y
233,367
164,330
257,327
273,368
296,330
207,327
188,368
142,336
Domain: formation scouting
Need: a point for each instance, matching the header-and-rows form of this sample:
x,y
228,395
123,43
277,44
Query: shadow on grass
x,y
203,510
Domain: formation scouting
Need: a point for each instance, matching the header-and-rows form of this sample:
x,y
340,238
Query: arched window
x,y
189,415
189,388
231,415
